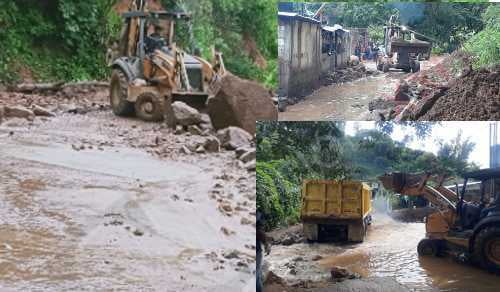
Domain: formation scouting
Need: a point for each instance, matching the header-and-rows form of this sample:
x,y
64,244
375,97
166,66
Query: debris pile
x,y
347,74
451,90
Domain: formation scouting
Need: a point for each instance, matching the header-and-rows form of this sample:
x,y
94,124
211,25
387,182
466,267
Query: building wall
x,y
299,49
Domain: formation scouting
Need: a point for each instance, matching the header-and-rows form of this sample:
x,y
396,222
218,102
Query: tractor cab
x,y
471,213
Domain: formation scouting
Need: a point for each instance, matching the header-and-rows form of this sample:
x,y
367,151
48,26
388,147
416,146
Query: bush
x,y
277,197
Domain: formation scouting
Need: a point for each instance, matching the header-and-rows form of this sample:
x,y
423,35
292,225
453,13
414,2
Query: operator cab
x,y
489,204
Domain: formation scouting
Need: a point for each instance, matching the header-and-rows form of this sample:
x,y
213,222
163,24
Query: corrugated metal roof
x,y
334,28
297,16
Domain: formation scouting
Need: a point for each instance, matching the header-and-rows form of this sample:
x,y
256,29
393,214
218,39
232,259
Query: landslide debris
x,y
347,74
450,90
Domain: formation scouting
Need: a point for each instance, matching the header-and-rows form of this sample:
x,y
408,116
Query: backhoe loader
x,y
467,230
149,72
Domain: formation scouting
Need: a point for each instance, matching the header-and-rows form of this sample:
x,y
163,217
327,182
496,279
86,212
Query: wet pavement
x,y
390,250
348,101
92,203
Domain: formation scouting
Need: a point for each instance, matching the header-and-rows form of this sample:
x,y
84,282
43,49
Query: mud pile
x,y
474,96
347,74
238,102
288,235
451,90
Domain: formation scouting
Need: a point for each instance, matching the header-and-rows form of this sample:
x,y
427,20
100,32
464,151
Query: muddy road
x,y
94,202
389,251
349,101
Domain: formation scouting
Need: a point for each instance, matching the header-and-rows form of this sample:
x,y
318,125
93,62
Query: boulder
x,y
248,156
241,150
40,111
251,165
212,144
185,115
233,138
240,103
18,112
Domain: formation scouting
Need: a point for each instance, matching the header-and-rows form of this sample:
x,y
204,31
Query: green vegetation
x,y
68,39
289,152
485,45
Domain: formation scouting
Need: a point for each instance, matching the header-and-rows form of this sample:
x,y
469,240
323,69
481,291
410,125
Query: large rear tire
x,y
150,107
385,68
487,249
118,92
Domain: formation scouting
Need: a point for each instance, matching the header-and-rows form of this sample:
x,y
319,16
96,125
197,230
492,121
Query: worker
x,y
261,239
155,40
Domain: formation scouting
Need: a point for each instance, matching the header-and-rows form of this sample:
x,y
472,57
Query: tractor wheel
x,y
385,68
150,107
487,249
428,247
118,94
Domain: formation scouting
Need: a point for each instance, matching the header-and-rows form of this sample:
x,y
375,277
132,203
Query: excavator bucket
x,y
397,181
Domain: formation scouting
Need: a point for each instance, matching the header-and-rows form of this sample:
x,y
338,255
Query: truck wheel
x,y
118,94
149,107
385,68
487,249
427,247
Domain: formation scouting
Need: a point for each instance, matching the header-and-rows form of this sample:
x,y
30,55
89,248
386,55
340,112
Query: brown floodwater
x,y
390,250
117,218
349,101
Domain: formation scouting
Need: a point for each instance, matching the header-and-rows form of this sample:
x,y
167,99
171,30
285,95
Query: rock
x,y
240,103
317,258
227,231
138,232
40,111
248,156
212,144
194,130
246,221
402,92
233,138
226,207
18,112
200,149
250,165
205,119
185,115
234,254
338,272
185,150
179,129
240,151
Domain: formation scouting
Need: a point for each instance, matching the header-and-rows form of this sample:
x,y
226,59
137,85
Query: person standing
x,y
261,240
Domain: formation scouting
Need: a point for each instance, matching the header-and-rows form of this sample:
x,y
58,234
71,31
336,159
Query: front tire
x,y
487,249
427,247
150,107
118,93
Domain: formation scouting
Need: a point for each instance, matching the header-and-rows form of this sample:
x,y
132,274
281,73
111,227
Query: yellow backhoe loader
x,y
468,230
149,72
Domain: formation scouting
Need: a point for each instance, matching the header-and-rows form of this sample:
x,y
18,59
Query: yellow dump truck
x,y
335,210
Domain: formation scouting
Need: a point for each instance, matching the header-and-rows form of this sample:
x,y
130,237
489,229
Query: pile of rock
x,y
21,112
189,120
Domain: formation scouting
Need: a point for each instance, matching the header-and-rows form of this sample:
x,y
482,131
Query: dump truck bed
x,y
329,199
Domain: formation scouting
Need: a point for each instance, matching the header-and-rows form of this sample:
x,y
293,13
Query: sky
x,y
477,131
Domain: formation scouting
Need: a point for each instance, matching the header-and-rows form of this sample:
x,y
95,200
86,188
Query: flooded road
x,y
85,207
349,101
390,250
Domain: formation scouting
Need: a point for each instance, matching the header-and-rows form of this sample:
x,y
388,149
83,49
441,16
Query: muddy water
x,y
348,101
117,218
388,251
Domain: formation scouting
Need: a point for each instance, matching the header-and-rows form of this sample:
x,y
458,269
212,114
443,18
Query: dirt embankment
x,y
450,90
